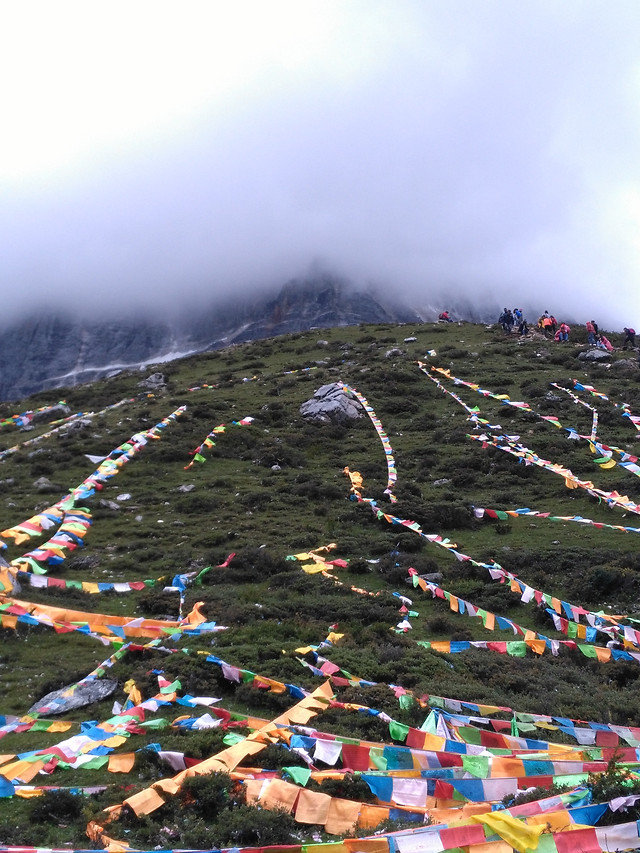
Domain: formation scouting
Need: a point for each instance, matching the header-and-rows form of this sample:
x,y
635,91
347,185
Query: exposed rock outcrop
x,y
50,351
594,355
57,702
330,404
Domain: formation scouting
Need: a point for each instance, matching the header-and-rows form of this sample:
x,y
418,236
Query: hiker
x,y
506,320
546,323
523,328
517,316
591,332
630,337
604,343
554,325
563,332
444,316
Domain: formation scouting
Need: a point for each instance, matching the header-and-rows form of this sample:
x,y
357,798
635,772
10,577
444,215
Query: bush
x,y
615,782
206,795
248,826
59,807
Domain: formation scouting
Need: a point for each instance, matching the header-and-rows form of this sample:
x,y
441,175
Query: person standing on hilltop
x,y
629,337
591,332
506,321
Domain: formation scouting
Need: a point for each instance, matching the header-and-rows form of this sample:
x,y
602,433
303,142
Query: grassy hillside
x,y
275,488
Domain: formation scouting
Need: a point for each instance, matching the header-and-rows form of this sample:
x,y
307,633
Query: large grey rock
x,y
80,424
107,504
86,694
52,414
154,382
330,404
594,355
43,484
625,364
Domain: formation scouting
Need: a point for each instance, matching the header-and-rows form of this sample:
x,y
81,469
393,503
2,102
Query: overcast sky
x,y
161,151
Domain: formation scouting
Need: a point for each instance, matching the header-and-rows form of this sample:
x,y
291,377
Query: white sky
x,y
156,150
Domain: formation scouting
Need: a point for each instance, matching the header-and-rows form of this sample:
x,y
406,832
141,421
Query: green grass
x,y
240,504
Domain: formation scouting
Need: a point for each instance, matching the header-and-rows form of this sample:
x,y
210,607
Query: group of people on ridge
x,y
596,338
548,325
508,319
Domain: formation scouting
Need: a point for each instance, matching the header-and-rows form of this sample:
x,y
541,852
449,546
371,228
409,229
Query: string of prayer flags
x,y
597,622
628,462
392,474
318,561
103,626
320,565
29,721
44,582
74,520
69,536
23,419
509,444
209,440
579,402
584,732
149,800
626,409
504,514
58,426
538,642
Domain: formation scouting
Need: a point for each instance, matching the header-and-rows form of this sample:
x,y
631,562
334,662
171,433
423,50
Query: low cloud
x,y
486,151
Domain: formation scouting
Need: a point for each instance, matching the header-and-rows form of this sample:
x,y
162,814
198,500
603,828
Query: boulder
x,y
330,404
625,364
107,504
52,414
594,355
154,382
80,424
85,694
433,577
43,484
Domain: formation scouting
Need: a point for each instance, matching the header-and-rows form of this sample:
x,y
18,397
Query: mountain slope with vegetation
x,y
272,485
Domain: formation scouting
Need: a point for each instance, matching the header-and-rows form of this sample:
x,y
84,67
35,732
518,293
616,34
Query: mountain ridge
x,y
57,349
